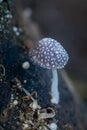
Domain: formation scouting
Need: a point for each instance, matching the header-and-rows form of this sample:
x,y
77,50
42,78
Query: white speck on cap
x,y
49,54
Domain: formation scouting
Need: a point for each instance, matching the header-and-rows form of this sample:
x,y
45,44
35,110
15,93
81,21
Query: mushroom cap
x,y
49,53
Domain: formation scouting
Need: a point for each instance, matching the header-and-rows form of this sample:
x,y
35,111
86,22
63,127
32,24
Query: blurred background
x,y
66,21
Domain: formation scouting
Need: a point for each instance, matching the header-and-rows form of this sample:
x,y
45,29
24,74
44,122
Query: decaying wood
x,y
81,110
30,28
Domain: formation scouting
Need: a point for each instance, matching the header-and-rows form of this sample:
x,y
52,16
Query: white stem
x,y
54,88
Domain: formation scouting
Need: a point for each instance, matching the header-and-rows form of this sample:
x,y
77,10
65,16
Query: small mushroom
x,y
50,54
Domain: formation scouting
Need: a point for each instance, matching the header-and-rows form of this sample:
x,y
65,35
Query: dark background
x,y
66,21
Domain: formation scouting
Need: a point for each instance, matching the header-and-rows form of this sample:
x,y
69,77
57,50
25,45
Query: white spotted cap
x,y
49,54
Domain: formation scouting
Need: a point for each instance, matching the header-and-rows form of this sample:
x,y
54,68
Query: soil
x,y
33,79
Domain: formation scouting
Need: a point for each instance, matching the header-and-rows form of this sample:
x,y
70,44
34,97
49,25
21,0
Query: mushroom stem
x,y
54,87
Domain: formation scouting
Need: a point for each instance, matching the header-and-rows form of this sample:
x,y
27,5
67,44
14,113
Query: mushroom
x,y
49,54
